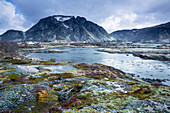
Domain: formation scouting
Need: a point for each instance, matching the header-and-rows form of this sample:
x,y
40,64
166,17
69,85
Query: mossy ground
x,y
107,87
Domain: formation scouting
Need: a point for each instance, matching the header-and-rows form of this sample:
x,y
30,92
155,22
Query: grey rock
x,y
78,79
12,97
97,108
46,83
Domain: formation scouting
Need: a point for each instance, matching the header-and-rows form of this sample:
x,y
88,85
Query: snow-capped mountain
x,y
59,27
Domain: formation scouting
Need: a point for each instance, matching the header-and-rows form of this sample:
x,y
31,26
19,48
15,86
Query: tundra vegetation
x,y
27,86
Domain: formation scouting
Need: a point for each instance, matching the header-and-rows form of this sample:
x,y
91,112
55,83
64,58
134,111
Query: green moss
x,y
47,70
50,85
52,78
36,80
14,76
60,63
68,75
53,92
75,65
18,61
58,88
108,100
47,63
149,92
117,100
41,105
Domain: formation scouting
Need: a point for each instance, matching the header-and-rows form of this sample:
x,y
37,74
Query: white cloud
x,y
9,19
126,20
111,23
120,21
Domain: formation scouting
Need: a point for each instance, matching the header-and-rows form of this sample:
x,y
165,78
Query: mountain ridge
x,y
159,33
60,27
71,28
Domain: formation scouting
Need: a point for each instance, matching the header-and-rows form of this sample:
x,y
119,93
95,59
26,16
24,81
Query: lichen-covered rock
x,y
150,106
12,97
99,71
89,88
90,109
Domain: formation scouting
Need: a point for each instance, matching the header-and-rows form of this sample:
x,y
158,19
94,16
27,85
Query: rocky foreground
x,y
34,85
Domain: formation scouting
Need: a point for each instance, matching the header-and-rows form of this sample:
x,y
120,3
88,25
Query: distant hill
x,y
12,35
159,33
59,27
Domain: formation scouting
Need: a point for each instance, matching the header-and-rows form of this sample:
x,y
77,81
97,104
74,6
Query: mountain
x,y
158,34
70,28
59,27
12,35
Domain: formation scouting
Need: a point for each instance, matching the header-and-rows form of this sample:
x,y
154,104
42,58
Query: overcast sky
x,y
111,14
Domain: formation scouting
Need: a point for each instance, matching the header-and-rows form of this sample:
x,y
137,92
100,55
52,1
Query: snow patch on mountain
x,y
24,36
62,19
65,25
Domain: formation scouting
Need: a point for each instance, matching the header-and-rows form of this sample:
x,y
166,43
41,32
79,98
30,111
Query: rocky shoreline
x,y
27,85
161,57
154,54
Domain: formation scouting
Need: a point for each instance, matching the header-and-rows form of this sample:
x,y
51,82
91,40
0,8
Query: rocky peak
x,y
62,18
55,18
81,20
59,27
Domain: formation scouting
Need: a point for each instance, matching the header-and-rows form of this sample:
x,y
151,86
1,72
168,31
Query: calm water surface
x,y
127,63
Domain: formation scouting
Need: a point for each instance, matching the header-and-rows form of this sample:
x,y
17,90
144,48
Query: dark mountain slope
x,y
159,33
69,28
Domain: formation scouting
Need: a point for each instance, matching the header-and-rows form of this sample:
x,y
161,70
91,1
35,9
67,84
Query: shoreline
x,y
162,55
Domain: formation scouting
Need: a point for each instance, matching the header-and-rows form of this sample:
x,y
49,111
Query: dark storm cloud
x,y
111,14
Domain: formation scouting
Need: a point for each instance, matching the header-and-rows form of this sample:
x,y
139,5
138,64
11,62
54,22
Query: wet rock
x,y
26,69
154,81
62,96
78,79
150,106
162,57
59,68
46,83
